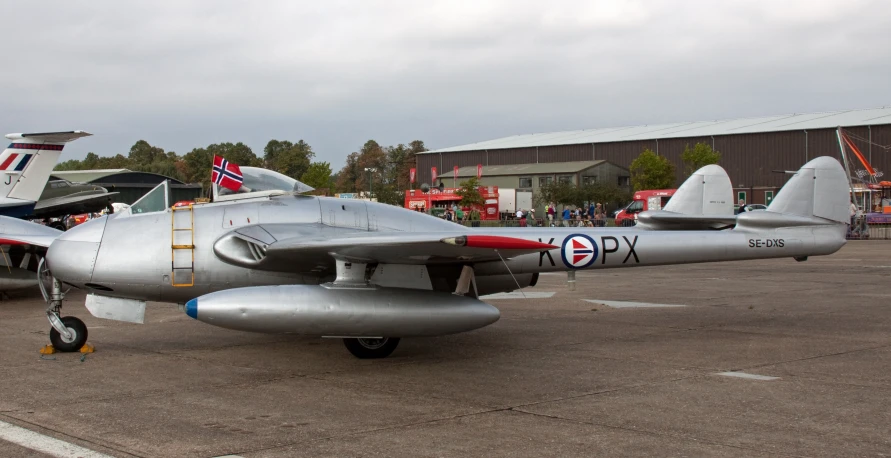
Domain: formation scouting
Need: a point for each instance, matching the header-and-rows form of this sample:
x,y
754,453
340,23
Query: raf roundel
x,y
578,251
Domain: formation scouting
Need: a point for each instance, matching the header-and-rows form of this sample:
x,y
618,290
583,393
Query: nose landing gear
x,y
68,334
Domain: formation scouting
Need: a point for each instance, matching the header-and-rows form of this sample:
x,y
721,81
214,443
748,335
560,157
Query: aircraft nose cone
x,y
192,308
72,256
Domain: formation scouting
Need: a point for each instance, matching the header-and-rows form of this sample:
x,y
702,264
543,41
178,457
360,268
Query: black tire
x,y
80,335
58,225
371,348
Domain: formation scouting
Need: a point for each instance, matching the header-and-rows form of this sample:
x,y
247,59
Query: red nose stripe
x,y
11,242
506,243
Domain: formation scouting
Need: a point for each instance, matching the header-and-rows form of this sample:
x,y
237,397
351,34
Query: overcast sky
x,y
183,74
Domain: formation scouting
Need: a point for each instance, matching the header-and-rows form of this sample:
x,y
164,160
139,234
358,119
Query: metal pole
x,y
841,148
570,280
805,145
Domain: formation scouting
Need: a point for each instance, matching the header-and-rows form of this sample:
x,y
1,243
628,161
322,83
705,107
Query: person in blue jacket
x,y
567,219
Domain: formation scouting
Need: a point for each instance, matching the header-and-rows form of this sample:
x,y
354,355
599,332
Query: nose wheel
x,y
68,334
74,339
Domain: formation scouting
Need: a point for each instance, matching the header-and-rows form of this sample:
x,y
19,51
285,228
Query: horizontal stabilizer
x,y
667,221
50,137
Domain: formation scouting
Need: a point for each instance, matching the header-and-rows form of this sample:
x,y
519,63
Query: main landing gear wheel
x,y
78,331
371,348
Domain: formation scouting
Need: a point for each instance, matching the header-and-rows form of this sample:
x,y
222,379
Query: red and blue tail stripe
x,y
16,162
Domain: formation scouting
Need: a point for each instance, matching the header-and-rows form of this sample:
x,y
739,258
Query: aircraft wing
x,y
71,205
15,231
319,253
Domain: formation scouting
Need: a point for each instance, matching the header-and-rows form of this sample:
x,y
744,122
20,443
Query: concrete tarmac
x,y
559,376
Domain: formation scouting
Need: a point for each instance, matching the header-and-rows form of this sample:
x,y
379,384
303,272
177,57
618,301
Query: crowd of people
x,y
592,216
454,213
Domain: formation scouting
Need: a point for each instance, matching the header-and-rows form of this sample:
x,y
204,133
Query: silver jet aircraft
x,y
273,260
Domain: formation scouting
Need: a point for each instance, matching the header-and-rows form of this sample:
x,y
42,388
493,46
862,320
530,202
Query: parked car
x,y
750,207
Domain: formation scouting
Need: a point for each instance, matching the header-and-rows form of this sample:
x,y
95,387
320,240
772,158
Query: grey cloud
x,y
185,74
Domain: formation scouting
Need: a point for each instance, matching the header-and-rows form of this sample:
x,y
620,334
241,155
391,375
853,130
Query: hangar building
x,y
754,151
534,176
131,185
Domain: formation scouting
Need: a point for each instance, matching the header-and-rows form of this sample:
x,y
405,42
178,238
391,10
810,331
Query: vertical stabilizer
x,y
26,165
820,188
707,192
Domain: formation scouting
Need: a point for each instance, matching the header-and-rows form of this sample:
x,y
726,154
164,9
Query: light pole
x,y
370,170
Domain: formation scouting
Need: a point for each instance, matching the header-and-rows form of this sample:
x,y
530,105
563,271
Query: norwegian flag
x,y
226,174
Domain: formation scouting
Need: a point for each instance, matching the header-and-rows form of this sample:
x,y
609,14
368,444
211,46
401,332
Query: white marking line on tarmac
x,y
628,305
748,376
519,295
45,444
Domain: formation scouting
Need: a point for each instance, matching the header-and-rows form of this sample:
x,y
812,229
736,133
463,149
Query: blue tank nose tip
x,y
192,308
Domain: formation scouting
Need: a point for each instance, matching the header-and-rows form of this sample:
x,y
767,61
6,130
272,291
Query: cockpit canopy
x,y
264,180
257,182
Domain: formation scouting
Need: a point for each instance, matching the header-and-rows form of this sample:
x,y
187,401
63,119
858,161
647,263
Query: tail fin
x,y
27,164
707,192
704,201
819,189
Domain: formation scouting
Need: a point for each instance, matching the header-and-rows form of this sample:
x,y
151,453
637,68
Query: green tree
x,y
699,156
318,175
197,164
388,194
349,174
560,193
143,154
237,153
291,159
651,171
371,156
390,176
469,192
606,194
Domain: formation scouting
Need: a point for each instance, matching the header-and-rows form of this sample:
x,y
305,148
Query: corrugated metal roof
x,y
787,122
524,169
86,176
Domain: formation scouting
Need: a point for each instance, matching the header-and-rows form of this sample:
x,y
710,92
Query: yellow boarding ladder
x,y
174,246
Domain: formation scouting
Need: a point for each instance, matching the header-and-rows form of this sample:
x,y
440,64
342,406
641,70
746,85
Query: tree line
x,y
381,170
384,169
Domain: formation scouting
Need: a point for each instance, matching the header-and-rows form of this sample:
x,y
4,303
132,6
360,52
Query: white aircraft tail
x,y
819,189
704,201
707,192
28,162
